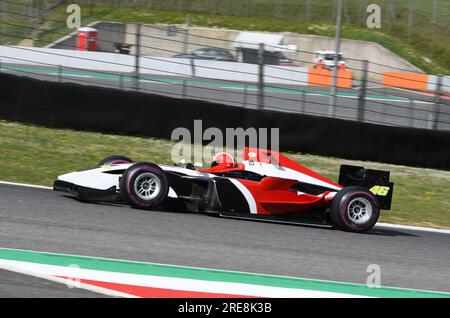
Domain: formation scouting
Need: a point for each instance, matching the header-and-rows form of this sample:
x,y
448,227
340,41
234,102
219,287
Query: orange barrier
x,y
406,80
321,77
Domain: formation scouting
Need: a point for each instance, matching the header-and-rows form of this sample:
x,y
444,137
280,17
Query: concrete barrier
x,y
406,80
112,62
416,81
321,77
445,85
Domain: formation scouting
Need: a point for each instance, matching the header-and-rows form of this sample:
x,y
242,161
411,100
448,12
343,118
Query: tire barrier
x,y
67,105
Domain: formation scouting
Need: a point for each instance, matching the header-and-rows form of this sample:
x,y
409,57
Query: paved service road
x,y
43,220
383,105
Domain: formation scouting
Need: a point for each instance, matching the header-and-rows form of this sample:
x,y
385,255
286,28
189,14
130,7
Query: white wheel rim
x,y
147,186
359,210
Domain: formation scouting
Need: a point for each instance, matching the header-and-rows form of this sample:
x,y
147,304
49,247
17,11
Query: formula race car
x,y
265,186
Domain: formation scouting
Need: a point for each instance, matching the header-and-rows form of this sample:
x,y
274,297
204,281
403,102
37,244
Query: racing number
x,y
380,190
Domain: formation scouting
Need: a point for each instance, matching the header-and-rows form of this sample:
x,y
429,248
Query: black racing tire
x,y
354,209
114,159
144,185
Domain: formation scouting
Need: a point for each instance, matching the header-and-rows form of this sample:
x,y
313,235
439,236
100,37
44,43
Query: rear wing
x,y
377,181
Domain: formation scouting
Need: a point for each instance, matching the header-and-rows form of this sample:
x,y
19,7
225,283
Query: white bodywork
x,y
96,178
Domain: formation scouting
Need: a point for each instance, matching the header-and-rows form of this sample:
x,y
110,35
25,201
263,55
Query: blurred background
x,y
208,49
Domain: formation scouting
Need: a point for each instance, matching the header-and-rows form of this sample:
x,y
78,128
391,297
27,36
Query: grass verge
x,y
38,155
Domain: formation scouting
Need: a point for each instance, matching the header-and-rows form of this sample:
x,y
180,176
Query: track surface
x,y
43,220
383,105
14,285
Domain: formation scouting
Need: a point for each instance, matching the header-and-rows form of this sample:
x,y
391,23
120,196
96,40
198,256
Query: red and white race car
x,y
264,186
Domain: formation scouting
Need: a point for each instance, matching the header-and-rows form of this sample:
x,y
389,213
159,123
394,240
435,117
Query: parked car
x,y
327,58
209,53
270,58
122,48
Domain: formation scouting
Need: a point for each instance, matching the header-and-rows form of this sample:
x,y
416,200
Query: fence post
x,y
192,66
279,8
137,55
410,18
437,101
302,109
184,89
187,23
4,9
59,73
411,113
363,91
121,80
333,90
434,14
308,10
244,102
261,76
254,9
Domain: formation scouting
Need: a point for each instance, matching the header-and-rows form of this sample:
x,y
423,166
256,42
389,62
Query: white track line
x,y
429,94
80,285
413,228
389,225
26,185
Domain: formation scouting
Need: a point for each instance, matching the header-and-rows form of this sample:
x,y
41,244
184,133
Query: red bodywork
x,y
274,195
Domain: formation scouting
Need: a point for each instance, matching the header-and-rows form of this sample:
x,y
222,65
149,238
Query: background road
x,y
383,105
43,220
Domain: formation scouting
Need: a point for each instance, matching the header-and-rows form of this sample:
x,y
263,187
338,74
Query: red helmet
x,y
224,158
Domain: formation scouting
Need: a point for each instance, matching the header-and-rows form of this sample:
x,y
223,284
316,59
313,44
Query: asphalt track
x,y
14,285
383,105
43,220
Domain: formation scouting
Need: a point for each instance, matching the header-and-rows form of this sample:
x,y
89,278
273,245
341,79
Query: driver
x,y
224,159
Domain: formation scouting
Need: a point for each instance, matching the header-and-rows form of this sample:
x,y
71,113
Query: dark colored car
x,y
209,53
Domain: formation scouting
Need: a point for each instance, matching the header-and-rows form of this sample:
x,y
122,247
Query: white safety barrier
x,y
121,63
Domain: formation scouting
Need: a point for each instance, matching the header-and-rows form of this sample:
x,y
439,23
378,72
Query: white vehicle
x,y
327,58
265,186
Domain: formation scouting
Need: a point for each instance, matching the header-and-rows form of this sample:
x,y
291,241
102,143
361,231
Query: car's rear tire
x,y
144,185
354,209
114,160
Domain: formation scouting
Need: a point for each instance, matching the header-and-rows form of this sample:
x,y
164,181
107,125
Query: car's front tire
x,y
114,160
144,185
354,209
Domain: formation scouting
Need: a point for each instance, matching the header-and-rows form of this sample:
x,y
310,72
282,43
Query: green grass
x,y
38,155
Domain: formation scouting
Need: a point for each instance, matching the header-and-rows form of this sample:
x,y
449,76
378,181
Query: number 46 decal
x,y
380,190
